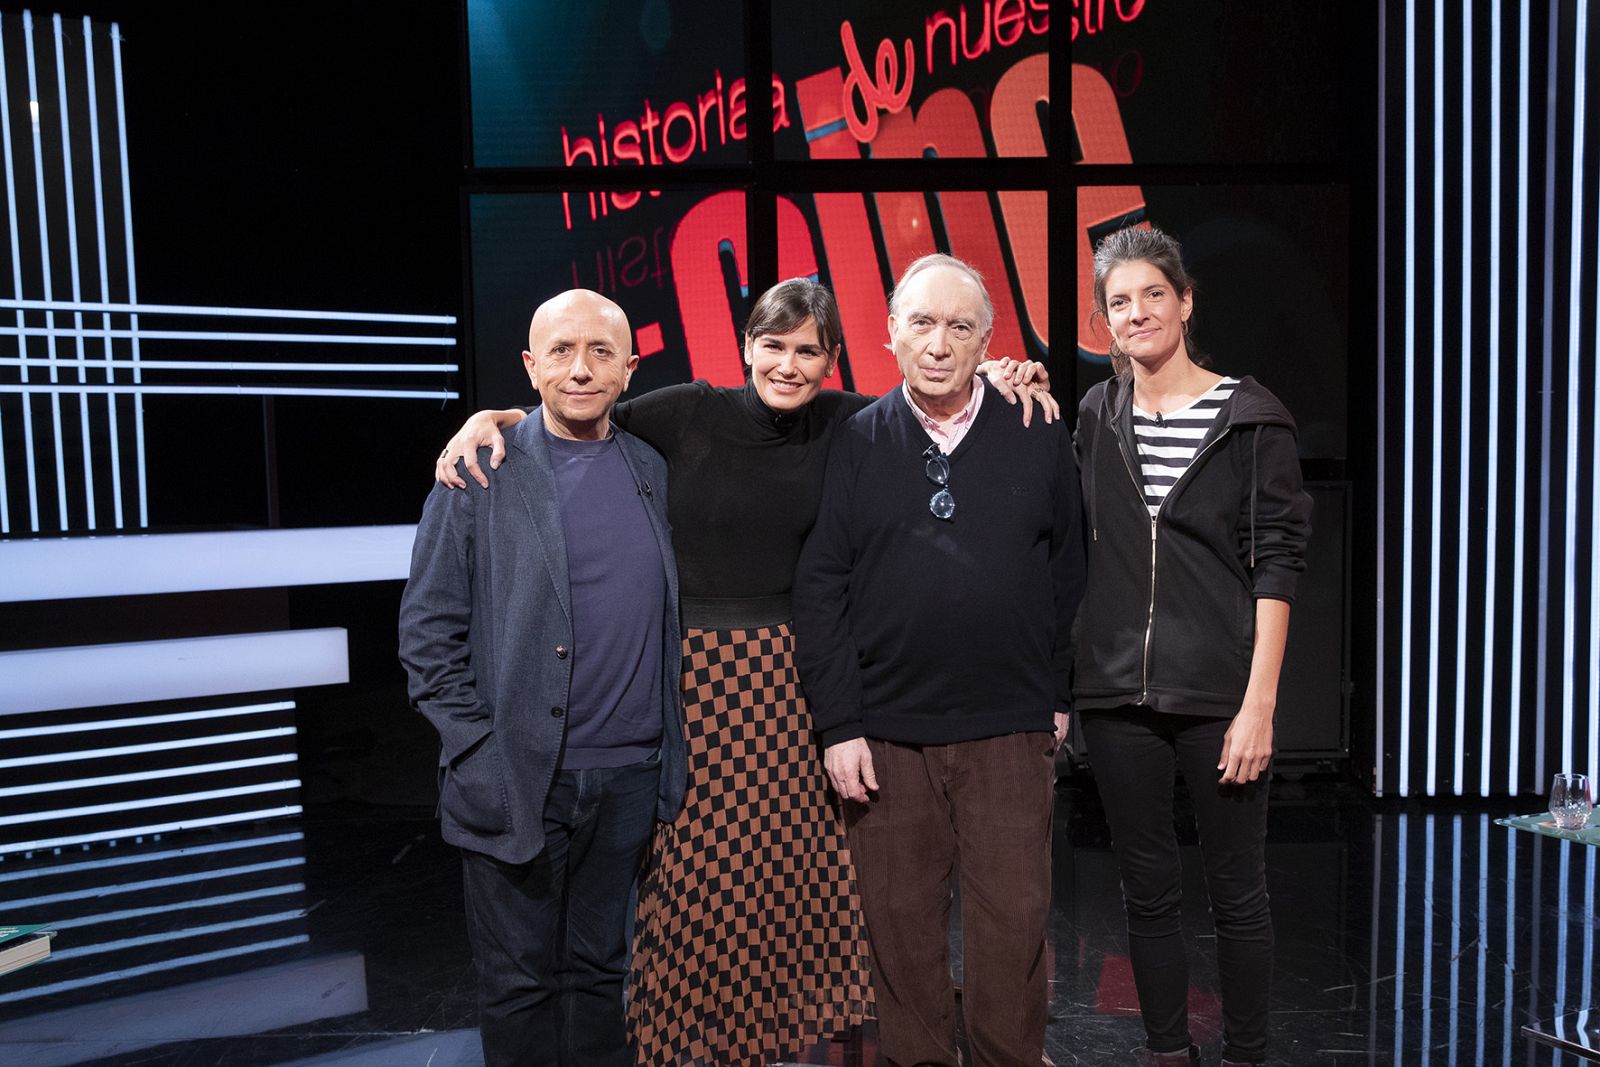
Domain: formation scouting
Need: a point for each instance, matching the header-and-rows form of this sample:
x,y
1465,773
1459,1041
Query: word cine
x,y
1003,24
675,134
1089,16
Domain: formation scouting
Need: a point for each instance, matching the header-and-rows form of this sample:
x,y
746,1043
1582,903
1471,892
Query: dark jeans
x,y
1134,752
983,809
549,936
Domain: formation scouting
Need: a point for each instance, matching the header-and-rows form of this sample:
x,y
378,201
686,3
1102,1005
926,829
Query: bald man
x,y
539,632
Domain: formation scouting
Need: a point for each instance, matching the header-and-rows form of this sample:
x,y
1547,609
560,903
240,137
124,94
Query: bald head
x,y
579,302
580,358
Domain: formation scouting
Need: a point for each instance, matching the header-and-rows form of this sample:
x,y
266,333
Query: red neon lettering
x,y
1018,18
572,149
625,143
678,110
875,94
936,22
780,105
1041,7
1090,15
711,101
736,128
717,114
648,123
982,47
1002,24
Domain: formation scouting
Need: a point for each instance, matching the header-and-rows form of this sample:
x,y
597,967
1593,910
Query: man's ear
x,y
983,345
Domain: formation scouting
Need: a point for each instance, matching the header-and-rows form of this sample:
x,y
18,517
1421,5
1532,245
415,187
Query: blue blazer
x,y
486,634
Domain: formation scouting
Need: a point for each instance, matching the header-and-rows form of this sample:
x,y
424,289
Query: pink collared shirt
x,y
948,434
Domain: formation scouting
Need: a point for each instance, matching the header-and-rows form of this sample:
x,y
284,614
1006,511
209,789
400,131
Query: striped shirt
x,y
1167,442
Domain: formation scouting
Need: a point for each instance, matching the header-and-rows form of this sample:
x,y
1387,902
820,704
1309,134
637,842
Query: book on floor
x,y
22,945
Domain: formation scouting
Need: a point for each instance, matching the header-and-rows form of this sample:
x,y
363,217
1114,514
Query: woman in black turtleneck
x,y
749,944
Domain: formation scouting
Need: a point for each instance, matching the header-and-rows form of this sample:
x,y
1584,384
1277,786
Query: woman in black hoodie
x,y
1198,525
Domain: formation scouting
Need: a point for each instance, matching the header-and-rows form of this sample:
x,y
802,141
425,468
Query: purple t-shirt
x,y
618,591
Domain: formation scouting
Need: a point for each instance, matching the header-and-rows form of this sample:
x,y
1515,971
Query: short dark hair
x,y
787,305
1136,244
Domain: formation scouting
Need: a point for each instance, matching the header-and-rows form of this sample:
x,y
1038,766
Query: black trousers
x,y
1135,753
549,937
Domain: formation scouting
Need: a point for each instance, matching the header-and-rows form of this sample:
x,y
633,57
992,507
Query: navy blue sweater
x,y
618,591
914,629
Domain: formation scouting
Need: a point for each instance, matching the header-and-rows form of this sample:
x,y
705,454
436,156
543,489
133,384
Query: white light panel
x,y
89,676
141,564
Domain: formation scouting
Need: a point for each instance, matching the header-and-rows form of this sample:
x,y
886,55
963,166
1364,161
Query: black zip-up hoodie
x,y
1168,618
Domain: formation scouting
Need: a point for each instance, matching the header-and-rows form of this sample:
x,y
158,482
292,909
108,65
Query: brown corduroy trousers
x,y
979,811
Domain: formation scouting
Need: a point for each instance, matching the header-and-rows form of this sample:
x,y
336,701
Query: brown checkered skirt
x,y
749,944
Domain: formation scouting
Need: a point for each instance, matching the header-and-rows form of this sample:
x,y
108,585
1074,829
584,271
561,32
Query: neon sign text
x,y
1089,16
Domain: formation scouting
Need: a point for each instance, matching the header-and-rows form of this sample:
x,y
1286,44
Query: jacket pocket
x,y
472,790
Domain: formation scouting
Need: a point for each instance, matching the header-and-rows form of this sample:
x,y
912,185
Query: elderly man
x,y
540,634
933,615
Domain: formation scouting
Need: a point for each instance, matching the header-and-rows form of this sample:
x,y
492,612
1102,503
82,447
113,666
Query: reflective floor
x,y
1406,935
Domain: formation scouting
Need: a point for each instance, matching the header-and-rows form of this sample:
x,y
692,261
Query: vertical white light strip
x,y
1541,663
1376,921
1491,606
1426,946
1483,927
5,493
1588,927
1436,451
1575,319
1594,519
1564,919
16,285
1400,942
1464,489
1519,508
1510,955
46,273
72,249
1455,929
1380,683
133,283
1409,433
105,284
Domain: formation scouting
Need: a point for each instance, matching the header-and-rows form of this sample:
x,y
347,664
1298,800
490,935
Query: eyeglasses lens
x,y
941,504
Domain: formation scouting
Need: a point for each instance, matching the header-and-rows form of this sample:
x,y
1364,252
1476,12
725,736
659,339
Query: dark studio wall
x,y
288,156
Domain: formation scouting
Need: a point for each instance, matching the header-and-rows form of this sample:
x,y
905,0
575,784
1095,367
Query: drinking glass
x,y
1569,801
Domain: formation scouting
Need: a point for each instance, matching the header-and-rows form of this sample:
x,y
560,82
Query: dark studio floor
x,y
1408,934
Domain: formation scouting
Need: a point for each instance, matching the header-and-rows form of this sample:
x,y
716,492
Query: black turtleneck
x,y
745,481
